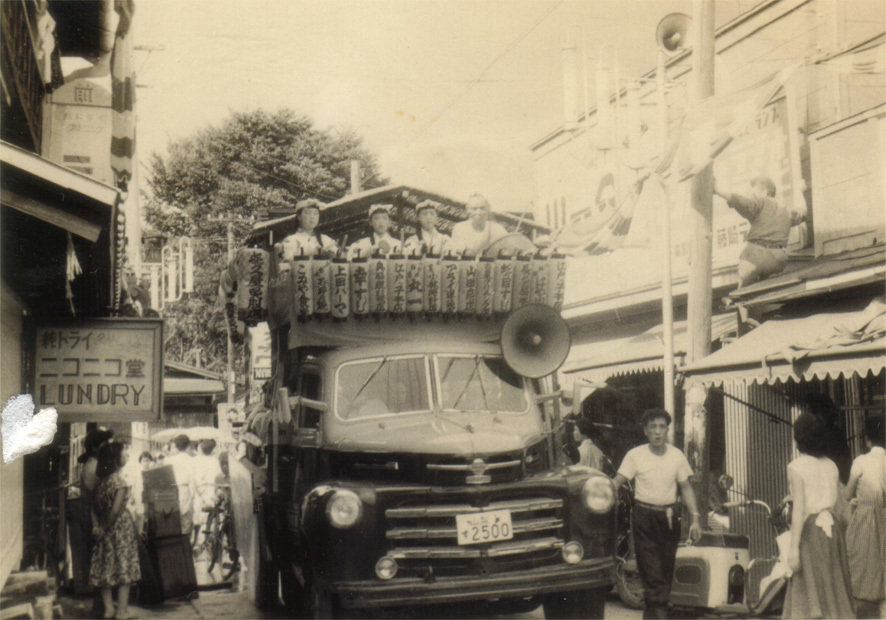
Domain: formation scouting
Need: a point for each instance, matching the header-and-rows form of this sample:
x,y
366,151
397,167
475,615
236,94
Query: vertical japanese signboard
x,y
103,370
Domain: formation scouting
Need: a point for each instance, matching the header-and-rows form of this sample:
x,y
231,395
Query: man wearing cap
x,y
379,240
765,251
478,232
306,241
428,240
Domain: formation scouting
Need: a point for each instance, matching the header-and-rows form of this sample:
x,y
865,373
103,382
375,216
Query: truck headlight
x,y
344,509
386,568
598,494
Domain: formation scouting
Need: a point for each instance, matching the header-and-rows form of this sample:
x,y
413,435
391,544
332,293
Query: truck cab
x,y
428,471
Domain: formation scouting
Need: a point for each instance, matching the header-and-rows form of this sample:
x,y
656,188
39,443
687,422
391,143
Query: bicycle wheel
x,y
216,550
233,564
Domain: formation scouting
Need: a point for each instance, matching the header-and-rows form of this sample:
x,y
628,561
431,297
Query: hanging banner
x,y
522,282
320,280
302,289
557,280
540,287
449,284
397,285
378,285
340,289
467,286
360,287
102,370
485,285
431,269
504,284
414,284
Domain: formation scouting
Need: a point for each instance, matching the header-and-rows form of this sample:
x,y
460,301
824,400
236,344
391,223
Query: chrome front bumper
x,y
586,574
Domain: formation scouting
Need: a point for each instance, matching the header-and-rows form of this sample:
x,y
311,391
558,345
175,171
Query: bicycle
x,y
219,539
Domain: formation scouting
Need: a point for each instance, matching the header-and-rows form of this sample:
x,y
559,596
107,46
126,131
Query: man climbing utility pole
x,y
700,296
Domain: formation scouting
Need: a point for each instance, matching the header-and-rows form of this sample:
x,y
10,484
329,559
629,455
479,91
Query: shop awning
x,y
818,346
639,353
185,386
55,194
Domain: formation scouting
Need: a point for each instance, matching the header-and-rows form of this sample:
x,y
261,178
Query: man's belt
x,y
664,508
771,245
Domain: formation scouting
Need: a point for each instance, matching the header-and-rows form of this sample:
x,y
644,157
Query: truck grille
x,y
423,538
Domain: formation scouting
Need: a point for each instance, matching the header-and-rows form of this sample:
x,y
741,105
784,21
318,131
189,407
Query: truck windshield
x,y
479,383
382,386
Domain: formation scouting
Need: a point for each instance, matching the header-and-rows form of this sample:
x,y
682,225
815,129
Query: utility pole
x,y
700,295
231,374
667,295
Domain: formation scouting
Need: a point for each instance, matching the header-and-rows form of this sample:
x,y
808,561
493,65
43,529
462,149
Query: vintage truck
x,y
415,455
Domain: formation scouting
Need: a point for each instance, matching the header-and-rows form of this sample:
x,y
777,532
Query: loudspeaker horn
x,y
535,341
672,32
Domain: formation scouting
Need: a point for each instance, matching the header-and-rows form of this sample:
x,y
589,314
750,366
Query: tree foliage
x,y
251,162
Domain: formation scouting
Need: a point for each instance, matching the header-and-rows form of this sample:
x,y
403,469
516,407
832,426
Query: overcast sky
x,y
449,94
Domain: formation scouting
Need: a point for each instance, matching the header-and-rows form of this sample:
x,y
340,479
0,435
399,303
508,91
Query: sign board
x,y
102,370
77,132
259,346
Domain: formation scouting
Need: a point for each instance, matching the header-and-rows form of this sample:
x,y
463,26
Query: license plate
x,y
482,527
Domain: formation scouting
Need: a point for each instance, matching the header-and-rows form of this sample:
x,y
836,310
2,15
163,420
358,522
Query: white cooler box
x,y
711,573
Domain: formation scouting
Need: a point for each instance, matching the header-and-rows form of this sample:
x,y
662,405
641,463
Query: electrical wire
x,y
476,80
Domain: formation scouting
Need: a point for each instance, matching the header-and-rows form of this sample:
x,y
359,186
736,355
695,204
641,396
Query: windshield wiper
x,y
370,377
468,383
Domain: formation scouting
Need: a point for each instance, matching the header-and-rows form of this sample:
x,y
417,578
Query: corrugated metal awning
x,y
824,345
639,353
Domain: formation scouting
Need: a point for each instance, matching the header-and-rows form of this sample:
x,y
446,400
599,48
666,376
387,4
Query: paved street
x,y
230,603
222,604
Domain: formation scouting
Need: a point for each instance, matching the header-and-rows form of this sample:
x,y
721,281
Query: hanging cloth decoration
x,y
72,270
122,97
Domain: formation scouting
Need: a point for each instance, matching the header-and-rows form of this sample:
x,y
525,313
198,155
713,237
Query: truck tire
x,y
264,580
323,604
628,584
575,604
295,596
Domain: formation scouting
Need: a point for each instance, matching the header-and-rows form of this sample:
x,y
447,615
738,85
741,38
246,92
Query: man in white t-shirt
x,y
657,470
478,232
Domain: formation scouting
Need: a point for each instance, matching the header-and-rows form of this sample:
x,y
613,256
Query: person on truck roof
x,y
478,232
429,240
379,240
307,241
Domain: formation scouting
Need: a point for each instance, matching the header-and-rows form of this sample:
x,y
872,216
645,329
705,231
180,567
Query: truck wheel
x,y
264,579
324,605
627,576
295,596
575,604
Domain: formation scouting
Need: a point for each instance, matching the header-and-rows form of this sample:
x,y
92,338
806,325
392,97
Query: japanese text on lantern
x,y
105,370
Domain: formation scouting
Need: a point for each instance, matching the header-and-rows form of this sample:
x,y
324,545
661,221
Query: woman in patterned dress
x,y
115,555
819,585
866,535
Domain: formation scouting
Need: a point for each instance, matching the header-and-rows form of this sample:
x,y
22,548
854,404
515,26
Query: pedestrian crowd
x,y
111,523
